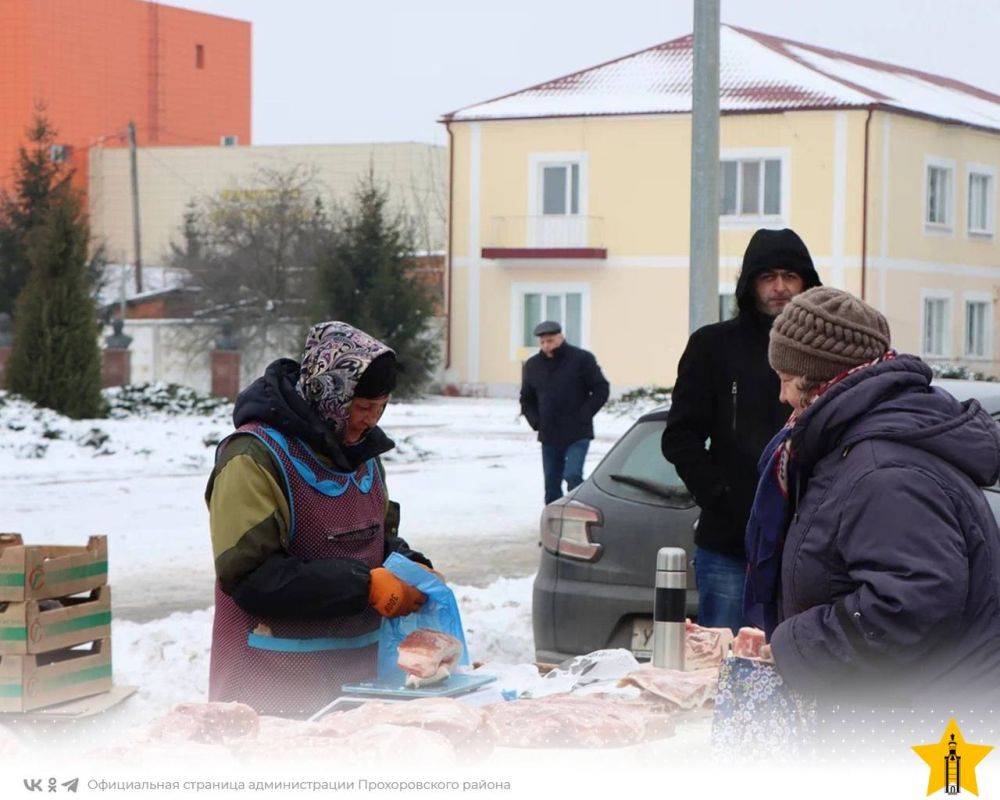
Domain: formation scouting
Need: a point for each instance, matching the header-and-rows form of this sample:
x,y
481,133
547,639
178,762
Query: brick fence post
x,y
4,356
6,340
226,364
226,373
116,360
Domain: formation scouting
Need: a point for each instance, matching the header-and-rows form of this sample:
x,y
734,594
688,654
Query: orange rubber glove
x,y
391,597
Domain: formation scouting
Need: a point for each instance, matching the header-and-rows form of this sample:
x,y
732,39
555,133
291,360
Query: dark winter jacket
x,y
250,510
726,392
891,566
561,394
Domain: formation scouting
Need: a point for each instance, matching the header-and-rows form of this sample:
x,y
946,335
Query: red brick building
x,y
183,77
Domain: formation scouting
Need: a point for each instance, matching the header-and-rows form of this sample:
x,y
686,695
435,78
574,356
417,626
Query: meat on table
x,y
428,657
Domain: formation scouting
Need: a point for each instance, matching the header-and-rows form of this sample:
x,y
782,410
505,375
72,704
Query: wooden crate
x,y
39,572
28,682
26,629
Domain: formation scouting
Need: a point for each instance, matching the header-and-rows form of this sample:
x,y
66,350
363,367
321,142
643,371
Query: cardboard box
x,y
40,572
81,708
28,682
25,628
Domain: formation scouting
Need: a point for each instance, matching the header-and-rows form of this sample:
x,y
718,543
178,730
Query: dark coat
x,y
891,566
727,392
560,395
258,572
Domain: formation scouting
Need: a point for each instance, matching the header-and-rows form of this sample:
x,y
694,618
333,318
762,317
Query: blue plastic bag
x,y
439,613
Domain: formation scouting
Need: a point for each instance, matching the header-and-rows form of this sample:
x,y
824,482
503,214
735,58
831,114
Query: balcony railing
x,y
546,236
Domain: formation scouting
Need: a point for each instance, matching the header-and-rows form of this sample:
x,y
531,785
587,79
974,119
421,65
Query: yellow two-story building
x,y
570,201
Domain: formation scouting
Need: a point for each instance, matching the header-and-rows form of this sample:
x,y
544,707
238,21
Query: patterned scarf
x,y
771,514
335,356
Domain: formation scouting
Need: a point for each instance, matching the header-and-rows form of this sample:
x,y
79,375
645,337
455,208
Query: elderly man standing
x,y
724,411
562,388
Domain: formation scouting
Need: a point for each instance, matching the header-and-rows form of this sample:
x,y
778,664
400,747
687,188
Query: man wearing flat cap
x,y
562,388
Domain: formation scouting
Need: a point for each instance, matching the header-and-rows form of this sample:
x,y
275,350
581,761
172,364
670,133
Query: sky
x,y
327,71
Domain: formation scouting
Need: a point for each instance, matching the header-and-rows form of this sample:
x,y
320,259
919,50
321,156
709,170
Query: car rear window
x,y
635,469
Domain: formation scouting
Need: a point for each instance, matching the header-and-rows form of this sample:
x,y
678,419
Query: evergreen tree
x,y
366,276
55,360
190,251
37,177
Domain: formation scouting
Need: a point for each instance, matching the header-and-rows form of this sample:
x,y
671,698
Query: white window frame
x,y
991,205
517,293
782,154
536,163
949,298
727,289
987,299
946,228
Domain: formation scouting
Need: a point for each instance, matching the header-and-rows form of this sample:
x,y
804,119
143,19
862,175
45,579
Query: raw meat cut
x,y
705,647
432,729
428,656
372,746
165,754
749,642
179,738
466,727
569,721
681,690
208,723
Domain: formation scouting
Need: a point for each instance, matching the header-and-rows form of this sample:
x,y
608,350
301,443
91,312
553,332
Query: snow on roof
x,y
757,72
119,279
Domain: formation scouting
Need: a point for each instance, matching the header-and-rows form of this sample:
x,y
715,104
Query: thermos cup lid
x,y
671,559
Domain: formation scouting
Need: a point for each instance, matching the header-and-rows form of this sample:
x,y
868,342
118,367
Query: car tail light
x,y
565,530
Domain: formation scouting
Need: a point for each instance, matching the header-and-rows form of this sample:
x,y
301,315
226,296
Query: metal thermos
x,y
668,608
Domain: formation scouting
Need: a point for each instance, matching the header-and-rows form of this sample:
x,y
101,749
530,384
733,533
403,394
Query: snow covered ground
x,y
466,471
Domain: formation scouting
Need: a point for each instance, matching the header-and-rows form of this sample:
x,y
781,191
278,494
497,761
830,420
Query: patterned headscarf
x,y
335,356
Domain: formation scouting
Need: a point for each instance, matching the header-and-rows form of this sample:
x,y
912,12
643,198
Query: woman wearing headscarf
x,y
874,557
301,522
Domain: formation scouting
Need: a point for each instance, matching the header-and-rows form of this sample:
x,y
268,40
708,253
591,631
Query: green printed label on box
x,y
81,676
78,624
77,573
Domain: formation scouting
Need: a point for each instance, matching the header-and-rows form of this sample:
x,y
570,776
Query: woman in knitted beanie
x,y
873,553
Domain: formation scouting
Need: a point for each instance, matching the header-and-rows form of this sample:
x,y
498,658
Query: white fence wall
x,y
163,351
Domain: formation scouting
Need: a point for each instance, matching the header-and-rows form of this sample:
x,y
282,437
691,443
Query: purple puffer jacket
x,y
890,574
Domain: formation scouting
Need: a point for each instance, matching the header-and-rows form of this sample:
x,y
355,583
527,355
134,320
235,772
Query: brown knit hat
x,y
823,332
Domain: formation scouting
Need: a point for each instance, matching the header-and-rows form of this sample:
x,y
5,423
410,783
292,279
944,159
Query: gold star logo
x,y
952,761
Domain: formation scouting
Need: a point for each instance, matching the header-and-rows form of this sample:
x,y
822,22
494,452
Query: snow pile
x,y
173,435
962,373
639,401
497,620
143,399
167,659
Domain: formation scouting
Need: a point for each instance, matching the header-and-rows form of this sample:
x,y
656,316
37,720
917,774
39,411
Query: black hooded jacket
x,y
280,584
727,394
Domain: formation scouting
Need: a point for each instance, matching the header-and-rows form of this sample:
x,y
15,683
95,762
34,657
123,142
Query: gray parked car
x,y
594,587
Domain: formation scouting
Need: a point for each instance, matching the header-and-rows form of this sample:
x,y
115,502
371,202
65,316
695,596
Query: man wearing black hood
x,y
727,394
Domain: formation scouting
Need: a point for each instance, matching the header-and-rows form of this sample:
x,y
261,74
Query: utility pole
x,y
704,255
136,237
